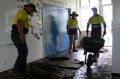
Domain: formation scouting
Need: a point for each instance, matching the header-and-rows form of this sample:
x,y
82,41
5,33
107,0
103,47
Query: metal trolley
x,y
91,45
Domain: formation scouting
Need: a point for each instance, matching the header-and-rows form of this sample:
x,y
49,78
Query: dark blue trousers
x,y
21,61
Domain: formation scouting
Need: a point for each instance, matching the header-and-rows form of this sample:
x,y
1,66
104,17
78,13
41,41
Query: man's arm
x,y
20,30
104,24
88,24
67,29
79,30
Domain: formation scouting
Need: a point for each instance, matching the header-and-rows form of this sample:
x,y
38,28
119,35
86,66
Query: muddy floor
x,y
99,70
72,64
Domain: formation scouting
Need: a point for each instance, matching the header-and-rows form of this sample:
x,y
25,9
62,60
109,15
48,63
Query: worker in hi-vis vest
x,y
96,30
20,28
72,31
96,20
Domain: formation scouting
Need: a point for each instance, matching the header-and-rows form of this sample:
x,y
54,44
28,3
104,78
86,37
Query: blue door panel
x,y
54,29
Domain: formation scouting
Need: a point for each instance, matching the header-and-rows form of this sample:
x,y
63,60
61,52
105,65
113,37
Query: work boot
x,y
70,51
74,50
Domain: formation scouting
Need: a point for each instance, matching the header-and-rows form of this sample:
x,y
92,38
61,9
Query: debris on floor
x,y
40,70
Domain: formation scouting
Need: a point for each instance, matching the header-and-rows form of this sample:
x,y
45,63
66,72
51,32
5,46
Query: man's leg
x,y
75,43
19,69
70,42
74,46
20,64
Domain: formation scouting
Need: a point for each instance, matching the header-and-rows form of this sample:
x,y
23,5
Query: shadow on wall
x,y
54,30
52,45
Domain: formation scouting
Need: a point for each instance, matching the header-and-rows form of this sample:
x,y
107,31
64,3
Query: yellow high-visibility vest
x,y
22,15
96,20
72,23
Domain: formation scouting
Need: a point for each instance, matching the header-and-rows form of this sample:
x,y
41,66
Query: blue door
x,y
54,26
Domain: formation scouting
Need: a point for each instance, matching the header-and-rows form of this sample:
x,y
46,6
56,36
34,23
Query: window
x,y
94,3
107,13
84,3
105,7
85,13
104,2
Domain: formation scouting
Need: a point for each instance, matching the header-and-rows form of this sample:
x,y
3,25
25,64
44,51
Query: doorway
x,y
104,9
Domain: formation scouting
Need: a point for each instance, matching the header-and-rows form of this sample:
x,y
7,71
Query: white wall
x,y
8,52
116,37
64,3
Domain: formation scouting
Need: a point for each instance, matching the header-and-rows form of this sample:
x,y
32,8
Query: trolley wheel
x,y
89,60
95,57
98,55
85,53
